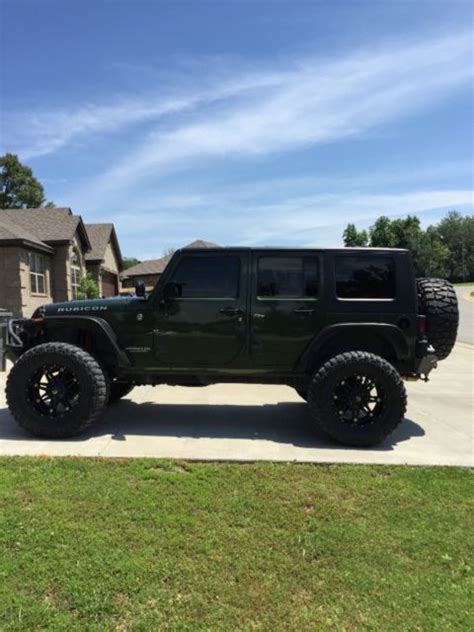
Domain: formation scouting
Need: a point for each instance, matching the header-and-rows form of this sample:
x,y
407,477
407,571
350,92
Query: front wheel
x,y
56,390
357,398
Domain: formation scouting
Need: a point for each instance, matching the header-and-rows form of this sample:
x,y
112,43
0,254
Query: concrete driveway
x,y
253,422
466,309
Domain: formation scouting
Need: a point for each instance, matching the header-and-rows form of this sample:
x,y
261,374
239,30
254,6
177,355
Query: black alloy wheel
x,y
56,390
358,399
53,390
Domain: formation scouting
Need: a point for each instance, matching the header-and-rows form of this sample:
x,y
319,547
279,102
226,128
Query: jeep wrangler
x,y
344,327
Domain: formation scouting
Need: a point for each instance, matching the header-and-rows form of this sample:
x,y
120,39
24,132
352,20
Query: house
x,y
44,253
104,259
150,271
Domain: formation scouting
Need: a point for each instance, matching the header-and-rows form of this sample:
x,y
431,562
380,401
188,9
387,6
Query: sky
x,y
241,122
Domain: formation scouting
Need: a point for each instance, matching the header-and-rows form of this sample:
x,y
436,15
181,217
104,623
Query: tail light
x,y
422,325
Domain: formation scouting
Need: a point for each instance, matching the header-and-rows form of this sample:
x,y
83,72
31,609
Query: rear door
x,y
205,326
285,310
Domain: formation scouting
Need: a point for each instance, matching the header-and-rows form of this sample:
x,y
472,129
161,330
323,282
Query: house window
x,y
75,274
37,273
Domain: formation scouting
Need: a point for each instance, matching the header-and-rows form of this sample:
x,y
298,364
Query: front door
x,y
285,309
205,325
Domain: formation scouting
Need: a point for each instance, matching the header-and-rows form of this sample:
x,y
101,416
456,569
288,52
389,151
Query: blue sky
x,y
241,122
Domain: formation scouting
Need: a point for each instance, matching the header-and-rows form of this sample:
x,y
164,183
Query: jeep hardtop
x,y
344,327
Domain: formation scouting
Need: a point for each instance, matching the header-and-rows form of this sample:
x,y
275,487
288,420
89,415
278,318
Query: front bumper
x,y
11,342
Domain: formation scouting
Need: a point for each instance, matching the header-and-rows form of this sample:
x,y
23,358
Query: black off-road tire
x,y
326,410
119,390
438,302
90,382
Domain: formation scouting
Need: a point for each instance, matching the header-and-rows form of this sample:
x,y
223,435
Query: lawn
x,y
155,545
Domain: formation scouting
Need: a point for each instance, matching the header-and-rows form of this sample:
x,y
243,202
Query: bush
x,y
88,287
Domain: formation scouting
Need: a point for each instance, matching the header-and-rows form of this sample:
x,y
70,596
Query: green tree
x,y
431,256
381,234
128,262
88,287
457,234
353,237
18,186
406,232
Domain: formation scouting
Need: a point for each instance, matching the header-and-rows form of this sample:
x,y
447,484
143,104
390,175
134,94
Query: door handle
x,y
231,311
303,310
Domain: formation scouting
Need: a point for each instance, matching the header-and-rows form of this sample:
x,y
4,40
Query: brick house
x,y
45,252
104,259
150,271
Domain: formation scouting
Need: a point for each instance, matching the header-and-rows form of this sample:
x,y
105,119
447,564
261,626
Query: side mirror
x,y
171,291
140,289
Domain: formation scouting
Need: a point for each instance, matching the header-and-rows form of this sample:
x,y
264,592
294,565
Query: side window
x,y
365,276
213,276
288,277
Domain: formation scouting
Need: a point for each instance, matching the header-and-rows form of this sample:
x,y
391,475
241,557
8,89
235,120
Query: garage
x,y
109,283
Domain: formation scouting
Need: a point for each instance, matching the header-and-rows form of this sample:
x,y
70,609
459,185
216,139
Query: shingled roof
x,y
157,266
47,225
11,235
151,266
99,236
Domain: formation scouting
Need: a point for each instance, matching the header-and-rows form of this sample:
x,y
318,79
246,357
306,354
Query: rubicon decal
x,y
84,308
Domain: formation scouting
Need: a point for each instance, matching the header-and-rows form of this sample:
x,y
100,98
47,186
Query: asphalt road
x,y
254,422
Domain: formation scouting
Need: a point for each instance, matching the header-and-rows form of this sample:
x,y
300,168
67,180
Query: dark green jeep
x,y
343,327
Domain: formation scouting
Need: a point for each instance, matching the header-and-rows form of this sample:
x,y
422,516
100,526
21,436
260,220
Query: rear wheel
x,y
56,390
357,398
438,302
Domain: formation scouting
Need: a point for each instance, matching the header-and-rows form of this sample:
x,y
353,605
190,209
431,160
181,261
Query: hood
x,y
89,306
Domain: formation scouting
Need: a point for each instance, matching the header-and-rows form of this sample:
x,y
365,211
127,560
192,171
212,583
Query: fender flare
x,y
93,324
389,333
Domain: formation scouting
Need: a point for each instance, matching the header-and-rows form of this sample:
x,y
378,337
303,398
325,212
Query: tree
x,y
443,250
381,234
128,262
18,186
406,232
353,237
88,287
457,233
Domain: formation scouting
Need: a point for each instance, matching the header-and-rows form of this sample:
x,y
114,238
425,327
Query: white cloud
x,y
288,220
39,133
312,102
295,103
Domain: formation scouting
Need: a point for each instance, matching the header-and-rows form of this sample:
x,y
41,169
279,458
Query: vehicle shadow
x,y
283,423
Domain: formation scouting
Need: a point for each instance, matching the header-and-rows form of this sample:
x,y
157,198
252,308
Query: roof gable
x,y
48,225
100,235
11,234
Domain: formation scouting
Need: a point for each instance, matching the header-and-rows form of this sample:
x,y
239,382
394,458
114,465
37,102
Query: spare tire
x,y
438,302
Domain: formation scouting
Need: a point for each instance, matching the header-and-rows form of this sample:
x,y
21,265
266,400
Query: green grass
x,y
155,545
462,283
